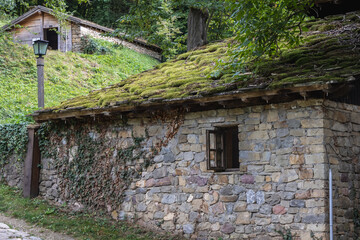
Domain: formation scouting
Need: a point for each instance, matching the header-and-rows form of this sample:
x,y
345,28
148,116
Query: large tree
x,y
263,27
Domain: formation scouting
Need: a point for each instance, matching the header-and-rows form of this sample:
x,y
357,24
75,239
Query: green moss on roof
x,y
329,52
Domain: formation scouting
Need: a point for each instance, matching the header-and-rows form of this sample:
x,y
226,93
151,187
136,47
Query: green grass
x,y
67,75
85,225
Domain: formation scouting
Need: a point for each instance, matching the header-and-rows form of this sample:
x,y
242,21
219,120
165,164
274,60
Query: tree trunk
x,y
197,32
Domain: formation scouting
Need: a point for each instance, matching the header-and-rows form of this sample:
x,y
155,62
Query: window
x,y
222,146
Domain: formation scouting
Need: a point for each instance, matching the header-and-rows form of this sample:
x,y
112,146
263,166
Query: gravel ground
x,y
11,228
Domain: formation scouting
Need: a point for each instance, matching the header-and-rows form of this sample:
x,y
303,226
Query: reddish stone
x,y
227,228
303,195
247,179
163,182
278,209
218,208
344,177
150,182
197,180
306,174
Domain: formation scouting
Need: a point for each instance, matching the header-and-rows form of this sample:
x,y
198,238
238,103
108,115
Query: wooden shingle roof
x,y
328,59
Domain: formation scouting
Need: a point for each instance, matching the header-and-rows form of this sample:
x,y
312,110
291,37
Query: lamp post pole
x,y
40,74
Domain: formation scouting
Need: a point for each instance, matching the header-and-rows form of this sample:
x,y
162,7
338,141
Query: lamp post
x,y
40,48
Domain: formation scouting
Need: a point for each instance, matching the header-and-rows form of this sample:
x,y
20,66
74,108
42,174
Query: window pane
x,y
219,144
212,159
212,141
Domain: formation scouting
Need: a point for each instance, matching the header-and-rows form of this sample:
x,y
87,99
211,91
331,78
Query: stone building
x,y
41,23
233,157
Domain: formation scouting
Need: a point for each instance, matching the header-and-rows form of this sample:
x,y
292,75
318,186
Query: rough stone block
x,y
259,135
243,218
168,199
279,210
297,159
288,176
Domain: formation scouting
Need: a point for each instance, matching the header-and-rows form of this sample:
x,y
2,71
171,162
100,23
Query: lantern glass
x,y
40,47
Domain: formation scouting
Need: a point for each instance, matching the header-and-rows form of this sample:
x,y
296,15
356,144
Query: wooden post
x,y
32,161
40,73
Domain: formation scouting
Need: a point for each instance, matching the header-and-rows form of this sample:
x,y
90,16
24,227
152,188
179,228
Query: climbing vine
x,y
13,141
97,161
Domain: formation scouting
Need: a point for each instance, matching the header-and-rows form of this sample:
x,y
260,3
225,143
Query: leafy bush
x,y
90,45
13,140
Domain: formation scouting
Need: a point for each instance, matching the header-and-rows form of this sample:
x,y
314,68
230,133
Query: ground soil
x,y
34,230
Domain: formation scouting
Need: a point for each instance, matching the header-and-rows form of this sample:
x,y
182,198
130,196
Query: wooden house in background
x,y
41,23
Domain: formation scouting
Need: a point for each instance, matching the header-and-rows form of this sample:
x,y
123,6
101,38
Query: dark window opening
x,y
222,146
50,34
348,93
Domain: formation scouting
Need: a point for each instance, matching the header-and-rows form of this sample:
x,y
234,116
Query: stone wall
x,y
342,136
12,173
281,183
79,31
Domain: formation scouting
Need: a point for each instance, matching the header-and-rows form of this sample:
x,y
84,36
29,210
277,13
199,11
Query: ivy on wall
x,y
95,163
13,141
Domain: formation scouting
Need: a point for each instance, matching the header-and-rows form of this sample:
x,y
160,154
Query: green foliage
x,y
263,27
164,23
286,234
356,218
80,225
67,75
13,141
91,46
312,235
96,171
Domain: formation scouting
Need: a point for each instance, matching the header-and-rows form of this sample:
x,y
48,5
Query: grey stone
x,y
319,218
168,199
229,208
199,157
287,195
188,156
250,196
282,132
238,189
159,215
193,216
160,172
188,228
297,203
182,197
293,123
265,209
122,216
141,190
260,197
227,190
169,157
253,208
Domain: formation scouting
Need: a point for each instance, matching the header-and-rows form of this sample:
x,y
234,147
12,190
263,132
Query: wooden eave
x,y
239,98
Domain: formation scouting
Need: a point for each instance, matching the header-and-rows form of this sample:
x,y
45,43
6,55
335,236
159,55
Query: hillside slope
x,y
66,75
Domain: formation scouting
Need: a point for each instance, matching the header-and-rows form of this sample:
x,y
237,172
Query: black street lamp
x,y
40,48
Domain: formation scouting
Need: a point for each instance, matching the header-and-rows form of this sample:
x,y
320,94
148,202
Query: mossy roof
x,y
329,52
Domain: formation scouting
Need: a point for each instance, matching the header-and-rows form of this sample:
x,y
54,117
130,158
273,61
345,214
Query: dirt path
x,y
32,230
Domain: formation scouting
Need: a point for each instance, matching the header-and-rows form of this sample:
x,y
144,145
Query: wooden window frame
x,y
220,151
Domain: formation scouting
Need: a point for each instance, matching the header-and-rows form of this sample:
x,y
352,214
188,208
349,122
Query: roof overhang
x,y
244,97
